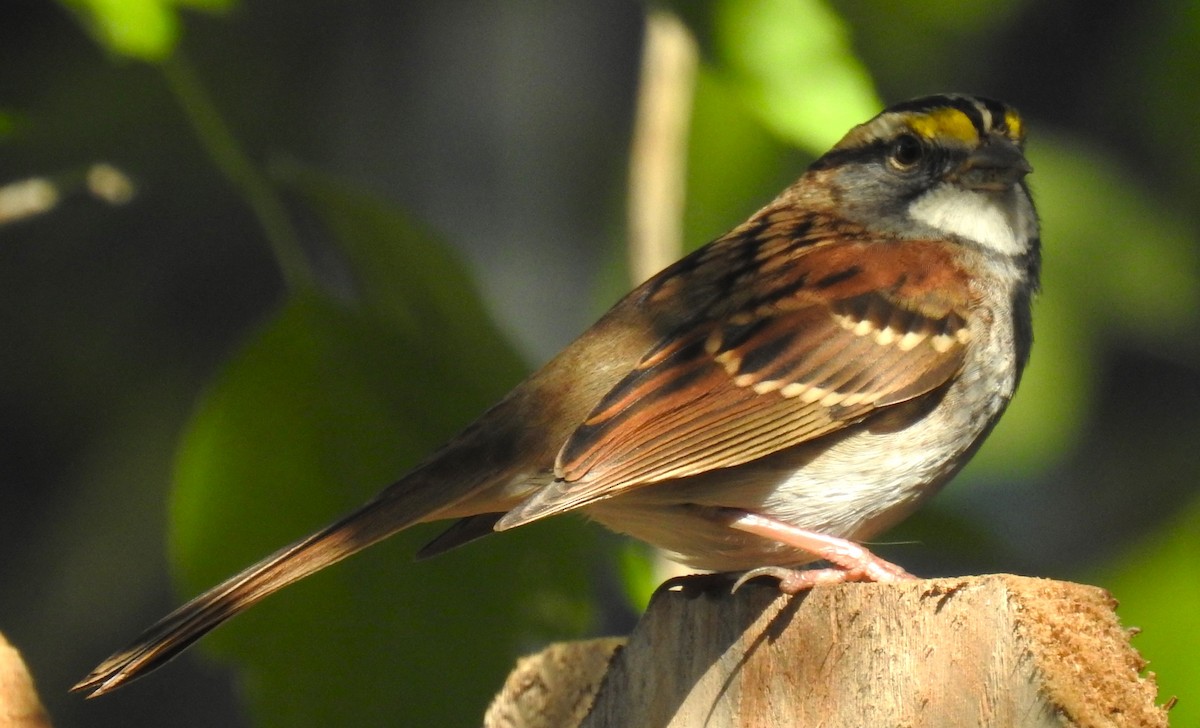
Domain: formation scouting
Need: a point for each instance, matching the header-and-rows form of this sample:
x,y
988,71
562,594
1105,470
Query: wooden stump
x,y
19,704
976,651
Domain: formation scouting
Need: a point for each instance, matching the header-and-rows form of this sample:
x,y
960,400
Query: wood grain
x,y
975,651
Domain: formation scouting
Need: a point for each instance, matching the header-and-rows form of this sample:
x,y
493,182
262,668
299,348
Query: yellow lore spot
x,y
1012,120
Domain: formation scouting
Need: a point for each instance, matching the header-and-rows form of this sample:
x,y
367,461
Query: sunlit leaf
x,y
142,29
799,70
791,63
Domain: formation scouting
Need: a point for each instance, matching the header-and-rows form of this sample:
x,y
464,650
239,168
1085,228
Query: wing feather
x,y
821,345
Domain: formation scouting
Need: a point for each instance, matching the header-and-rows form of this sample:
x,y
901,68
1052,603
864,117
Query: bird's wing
x,y
812,344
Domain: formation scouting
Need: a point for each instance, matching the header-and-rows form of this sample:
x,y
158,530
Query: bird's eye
x,y
906,151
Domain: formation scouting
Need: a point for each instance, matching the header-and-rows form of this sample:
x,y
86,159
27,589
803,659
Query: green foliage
x,y
328,402
929,47
791,60
788,63
8,124
638,574
735,164
1154,582
142,29
408,276
1155,65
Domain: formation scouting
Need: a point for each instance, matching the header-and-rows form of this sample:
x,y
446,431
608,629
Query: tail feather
x,y
464,531
370,524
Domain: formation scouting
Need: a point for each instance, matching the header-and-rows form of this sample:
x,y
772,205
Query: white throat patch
x,y
988,219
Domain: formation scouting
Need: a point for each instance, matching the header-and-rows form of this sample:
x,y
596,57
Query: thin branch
x,y
231,159
658,159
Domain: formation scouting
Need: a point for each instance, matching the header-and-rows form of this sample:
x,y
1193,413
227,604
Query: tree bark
x,y
975,651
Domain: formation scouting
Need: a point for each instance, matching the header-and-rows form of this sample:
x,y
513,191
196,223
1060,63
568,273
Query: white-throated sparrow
x,y
808,378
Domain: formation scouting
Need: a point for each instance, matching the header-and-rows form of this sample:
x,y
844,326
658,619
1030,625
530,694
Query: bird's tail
x,y
369,524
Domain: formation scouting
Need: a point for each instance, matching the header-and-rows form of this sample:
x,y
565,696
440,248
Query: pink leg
x,y
853,562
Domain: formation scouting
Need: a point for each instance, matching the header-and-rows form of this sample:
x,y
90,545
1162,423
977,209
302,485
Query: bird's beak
x,y
994,167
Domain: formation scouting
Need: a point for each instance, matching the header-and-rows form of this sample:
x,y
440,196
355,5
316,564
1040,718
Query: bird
x,y
774,398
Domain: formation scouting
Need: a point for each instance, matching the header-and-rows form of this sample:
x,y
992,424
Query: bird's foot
x,y
851,561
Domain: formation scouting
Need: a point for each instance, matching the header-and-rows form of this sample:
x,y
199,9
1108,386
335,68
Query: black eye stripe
x,y
838,157
875,152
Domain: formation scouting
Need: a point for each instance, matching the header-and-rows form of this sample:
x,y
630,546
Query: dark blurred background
x,y
503,130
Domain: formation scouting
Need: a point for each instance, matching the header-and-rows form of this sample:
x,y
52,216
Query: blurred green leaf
x,y
1158,586
1051,406
1153,72
937,45
638,574
735,165
404,273
142,29
8,125
790,63
1135,267
795,66
328,403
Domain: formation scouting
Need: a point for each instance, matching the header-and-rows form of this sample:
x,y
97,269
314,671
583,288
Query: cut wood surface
x,y
19,704
975,651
